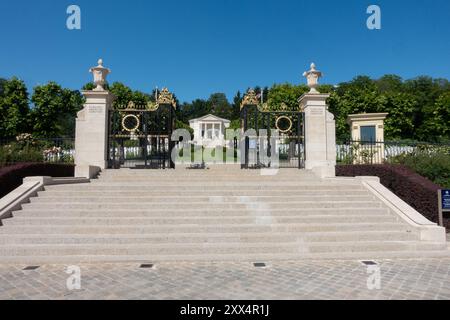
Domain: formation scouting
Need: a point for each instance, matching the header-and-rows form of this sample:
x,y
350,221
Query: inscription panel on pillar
x,y
96,109
316,112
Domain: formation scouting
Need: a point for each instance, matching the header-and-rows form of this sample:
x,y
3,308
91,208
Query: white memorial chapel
x,y
209,131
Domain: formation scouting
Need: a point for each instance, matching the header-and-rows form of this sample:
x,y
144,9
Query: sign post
x,y
444,204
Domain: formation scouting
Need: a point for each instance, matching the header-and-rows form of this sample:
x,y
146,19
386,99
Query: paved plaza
x,y
399,279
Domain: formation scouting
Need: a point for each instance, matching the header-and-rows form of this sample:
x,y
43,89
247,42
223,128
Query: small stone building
x,y
210,130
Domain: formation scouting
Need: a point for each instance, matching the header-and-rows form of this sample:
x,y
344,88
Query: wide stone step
x,y
224,193
224,228
207,215
214,249
203,187
210,173
248,257
170,198
154,249
157,238
206,173
211,178
364,246
175,183
210,205
202,212
263,220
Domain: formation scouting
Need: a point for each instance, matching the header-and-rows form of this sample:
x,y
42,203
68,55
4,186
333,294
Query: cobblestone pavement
x,y
400,279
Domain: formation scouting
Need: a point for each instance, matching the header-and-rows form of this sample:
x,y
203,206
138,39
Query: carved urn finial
x,y
100,73
312,76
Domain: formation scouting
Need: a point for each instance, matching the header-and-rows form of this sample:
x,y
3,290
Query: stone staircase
x,y
219,214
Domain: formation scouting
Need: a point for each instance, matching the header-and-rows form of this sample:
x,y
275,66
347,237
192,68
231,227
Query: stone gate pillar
x,y
92,123
320,128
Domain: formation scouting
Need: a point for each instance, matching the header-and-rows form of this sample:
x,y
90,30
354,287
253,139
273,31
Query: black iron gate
x,y
140,135
287,145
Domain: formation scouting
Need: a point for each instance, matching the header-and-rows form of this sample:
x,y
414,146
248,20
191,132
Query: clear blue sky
x,y
198,47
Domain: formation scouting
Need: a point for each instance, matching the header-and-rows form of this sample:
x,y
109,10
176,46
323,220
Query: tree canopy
x,y
14,107
53,114
418,108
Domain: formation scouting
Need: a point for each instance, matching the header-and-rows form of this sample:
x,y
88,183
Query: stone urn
x,y
100,73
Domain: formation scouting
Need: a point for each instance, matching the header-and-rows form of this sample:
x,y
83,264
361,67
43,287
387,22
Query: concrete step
x,y
170,198
223,228
214,248
219,173
210,205
157,238
223,184
203,173
367,246
208,179
224,193
247,258
202,212
220,214
154,249
242,187
229,220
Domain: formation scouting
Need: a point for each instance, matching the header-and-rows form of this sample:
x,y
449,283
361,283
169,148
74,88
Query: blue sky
x,y
198,47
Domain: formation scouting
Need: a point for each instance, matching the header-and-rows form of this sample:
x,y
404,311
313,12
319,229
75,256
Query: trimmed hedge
x,y
419,192
11,177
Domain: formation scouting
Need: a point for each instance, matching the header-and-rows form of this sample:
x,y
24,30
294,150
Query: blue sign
x,y
445,199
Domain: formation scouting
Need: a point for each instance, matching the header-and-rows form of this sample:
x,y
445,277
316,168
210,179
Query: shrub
x,y
433,165
419,192
15,152
11,177
26,149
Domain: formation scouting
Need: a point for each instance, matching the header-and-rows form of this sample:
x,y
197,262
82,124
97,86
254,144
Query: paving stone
x,y
400,279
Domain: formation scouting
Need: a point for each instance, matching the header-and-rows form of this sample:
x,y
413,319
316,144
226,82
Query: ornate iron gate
x,y
289,144
140,135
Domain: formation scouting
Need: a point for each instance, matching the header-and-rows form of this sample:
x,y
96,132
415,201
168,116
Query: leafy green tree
x,y
181,125
140,98
14,108
357,96
196,109
285,93
400,106
235,124
236,106
390,83
266,94
54,111
91,86
426,90
219,105
437,124
123,94
2,85
325,88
